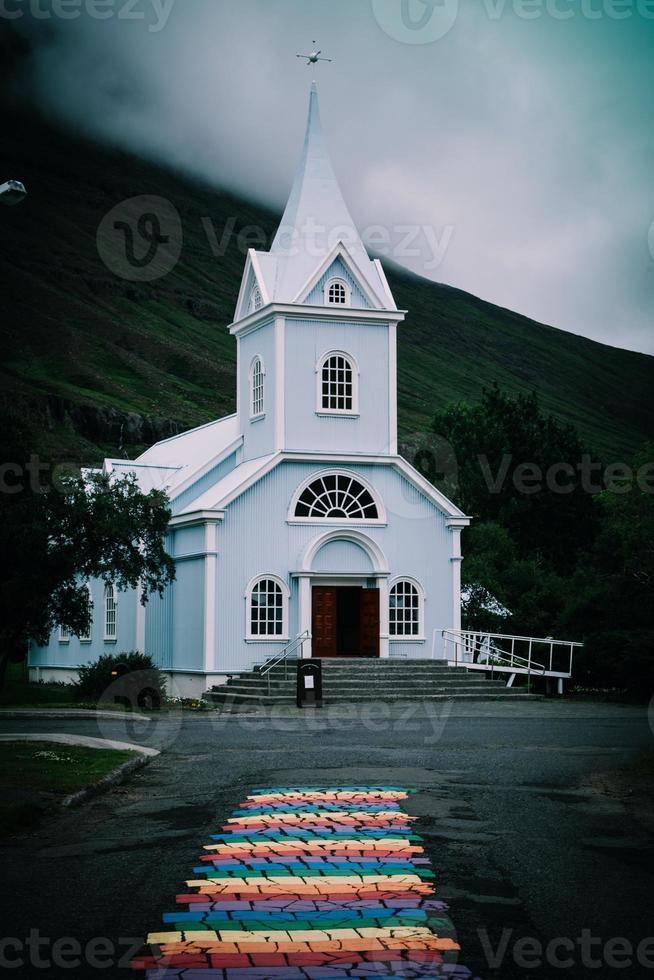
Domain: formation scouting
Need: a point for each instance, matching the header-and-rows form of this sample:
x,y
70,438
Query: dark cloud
x,y
519,148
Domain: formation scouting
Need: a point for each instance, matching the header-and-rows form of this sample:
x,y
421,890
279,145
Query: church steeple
x,y
316,206
316,219
316,327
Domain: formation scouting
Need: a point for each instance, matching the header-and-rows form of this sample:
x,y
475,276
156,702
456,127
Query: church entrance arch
x,y
343,596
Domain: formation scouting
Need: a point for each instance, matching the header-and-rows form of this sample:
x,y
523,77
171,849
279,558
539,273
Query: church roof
x,y
316,219
196,444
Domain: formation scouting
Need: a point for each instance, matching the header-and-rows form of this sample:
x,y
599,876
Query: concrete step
x,y
376,689
375,682
385,672
356,694
358,680
251,699
256,680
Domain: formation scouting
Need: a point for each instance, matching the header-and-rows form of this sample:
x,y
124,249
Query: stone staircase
x,y
349,680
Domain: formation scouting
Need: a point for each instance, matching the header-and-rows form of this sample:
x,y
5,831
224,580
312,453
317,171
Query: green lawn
x,y
19,693
35,776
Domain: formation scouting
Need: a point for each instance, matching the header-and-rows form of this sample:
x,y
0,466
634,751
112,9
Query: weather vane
x,y
314,57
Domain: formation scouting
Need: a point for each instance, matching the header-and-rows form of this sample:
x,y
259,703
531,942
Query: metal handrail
x,y
513,661
476,642
284,656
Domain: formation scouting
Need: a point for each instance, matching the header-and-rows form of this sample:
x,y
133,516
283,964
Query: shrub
x,y
130,678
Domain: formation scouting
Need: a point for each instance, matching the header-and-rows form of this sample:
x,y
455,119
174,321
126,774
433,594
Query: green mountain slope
x,y
104,366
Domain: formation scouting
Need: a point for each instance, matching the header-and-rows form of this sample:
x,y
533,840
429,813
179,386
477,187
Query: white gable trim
x,y
440,501
270,464
340,252
384,281
243,301
261,282
244,282
430,491
202,470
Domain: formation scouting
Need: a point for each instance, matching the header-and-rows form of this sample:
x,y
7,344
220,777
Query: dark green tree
x,y
610,597
521,469
54,537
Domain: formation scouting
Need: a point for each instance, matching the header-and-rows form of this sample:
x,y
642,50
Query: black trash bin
x,y
309,684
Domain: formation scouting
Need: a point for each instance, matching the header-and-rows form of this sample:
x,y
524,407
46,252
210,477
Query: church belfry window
x,y
256,300
257,388
338,383
336,496
337,293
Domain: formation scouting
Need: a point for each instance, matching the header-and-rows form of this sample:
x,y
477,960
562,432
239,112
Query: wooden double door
x,y
345,621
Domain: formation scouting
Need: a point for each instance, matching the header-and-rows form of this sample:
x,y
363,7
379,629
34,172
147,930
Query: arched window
x,y
267,609
337,293
257,375
64,634
338,384
256,300
110,612
86,637
405,610
336,496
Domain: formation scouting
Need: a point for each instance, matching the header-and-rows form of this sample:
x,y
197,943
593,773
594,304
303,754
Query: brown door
x,y
323,625
369,622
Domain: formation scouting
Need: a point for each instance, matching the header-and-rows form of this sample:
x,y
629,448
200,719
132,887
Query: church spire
x,y
316,217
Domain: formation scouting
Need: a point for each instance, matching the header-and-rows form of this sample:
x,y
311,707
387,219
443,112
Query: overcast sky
x,y
520,138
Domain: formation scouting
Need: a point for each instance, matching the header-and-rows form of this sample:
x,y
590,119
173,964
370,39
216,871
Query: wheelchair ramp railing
x,y
504,654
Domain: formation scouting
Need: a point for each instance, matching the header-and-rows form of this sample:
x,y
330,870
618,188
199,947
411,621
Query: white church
x,y
295,517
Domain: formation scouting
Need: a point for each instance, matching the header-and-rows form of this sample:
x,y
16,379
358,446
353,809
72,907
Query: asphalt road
x,y
512,802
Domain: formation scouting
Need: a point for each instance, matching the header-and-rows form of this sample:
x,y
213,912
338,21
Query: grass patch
x,y
34,776
19,693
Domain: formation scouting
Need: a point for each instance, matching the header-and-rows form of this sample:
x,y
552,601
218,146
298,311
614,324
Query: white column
x,y
209,632
280,384
392,388
456,560
140,621
304,612
239,393
384,632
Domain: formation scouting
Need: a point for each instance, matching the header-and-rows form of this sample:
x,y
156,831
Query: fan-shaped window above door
x,y
336,496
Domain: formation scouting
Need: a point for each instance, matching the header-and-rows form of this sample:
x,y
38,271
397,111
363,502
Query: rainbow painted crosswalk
x,y
309,883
